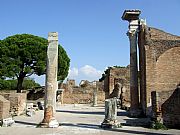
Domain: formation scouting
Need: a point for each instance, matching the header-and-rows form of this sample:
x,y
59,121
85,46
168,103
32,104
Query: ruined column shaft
x,y
51,77
132,16
95,92
133,70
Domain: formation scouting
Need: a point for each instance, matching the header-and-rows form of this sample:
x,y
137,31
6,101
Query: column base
x,y
110,124
94,105
53,123
135,112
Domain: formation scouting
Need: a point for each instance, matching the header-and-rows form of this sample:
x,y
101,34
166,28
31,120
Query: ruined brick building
x,y
159,60
83,93
159,63
114,75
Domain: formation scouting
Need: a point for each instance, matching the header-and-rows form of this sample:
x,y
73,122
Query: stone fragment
x,y
110,120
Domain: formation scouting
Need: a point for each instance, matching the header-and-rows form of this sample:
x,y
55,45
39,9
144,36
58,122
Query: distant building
x,y
113,75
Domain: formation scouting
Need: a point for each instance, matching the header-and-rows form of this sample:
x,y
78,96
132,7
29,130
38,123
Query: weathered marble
x,y
51,81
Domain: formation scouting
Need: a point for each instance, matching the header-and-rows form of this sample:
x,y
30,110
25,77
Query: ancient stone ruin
x,y
51,82
110,120
17,102
113,76
159,57
86,93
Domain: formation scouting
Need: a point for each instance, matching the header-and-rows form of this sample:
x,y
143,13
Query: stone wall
x,y
17,102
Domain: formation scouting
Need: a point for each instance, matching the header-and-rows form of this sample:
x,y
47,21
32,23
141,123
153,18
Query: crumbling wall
x,y
17,102
171,110
166,107
159,59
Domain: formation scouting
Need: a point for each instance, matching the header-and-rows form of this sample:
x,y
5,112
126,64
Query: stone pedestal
x,y
110,120
51,82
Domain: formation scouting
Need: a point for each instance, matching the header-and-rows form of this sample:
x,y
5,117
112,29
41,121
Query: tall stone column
x,y
133,17
51,81
134,94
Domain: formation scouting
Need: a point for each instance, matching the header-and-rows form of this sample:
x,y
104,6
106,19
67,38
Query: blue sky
x,y
91,31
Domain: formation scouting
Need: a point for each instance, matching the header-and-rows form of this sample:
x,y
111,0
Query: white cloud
x,y
86,72
90,72
73,73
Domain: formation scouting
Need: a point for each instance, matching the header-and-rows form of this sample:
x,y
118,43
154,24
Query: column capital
x,y
131,33
52,36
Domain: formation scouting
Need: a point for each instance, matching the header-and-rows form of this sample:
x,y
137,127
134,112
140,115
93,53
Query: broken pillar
x,y
51,82
95,96
60,94
132,16
110,120
156,107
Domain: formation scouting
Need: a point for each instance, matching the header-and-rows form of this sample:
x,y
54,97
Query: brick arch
x,y
168,70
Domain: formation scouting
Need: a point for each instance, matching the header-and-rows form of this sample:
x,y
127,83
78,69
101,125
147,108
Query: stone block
x,y
6,122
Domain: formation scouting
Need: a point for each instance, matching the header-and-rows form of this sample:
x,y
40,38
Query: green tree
x,y
12,84
23,55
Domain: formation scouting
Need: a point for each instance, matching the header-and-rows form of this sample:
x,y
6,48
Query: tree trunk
x,y
20,81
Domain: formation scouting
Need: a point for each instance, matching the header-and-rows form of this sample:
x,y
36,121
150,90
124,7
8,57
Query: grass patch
x,y
157,125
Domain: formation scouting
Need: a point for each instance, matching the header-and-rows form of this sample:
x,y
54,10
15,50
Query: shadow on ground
x,y
137,122
94,113
120,130
26,123
81,112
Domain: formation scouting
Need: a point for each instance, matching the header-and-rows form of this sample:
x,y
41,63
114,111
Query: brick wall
x,y
171,110
159,60
166,107
112,75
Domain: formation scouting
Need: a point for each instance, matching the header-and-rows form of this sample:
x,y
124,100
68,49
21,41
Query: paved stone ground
x,y
80,120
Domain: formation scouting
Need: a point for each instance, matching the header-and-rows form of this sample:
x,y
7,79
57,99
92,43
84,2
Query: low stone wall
x,y
17,102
